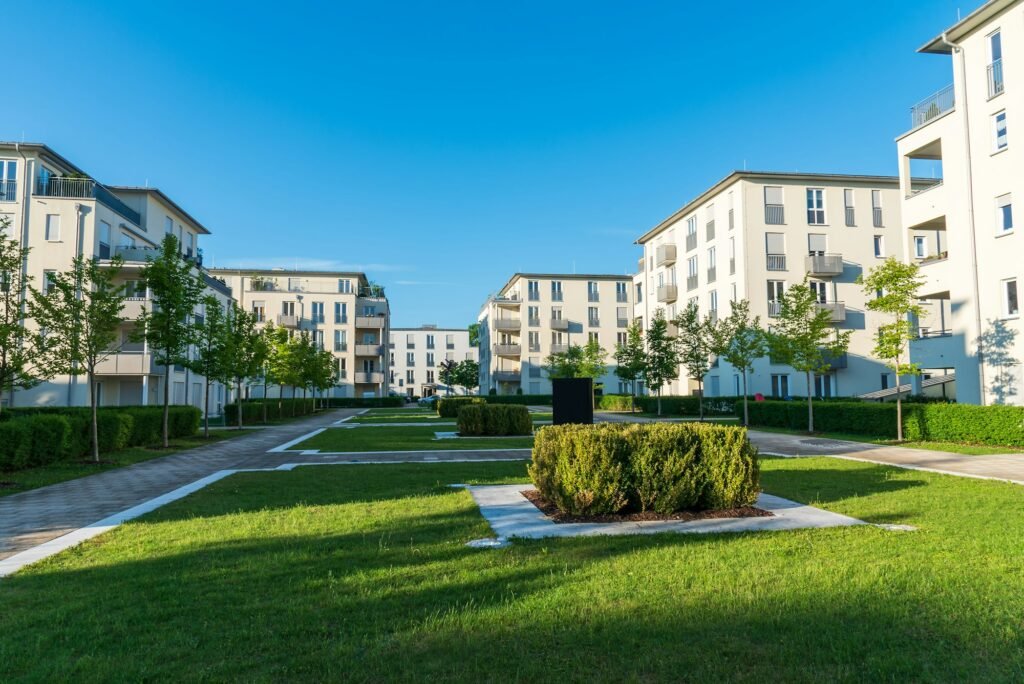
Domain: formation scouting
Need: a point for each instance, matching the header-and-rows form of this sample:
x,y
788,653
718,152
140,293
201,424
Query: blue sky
x,y
443,146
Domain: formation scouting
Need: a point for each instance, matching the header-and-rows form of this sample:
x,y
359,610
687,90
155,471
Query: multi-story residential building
x,y
961,172
342,311
754,234
60,212
416,354
537,314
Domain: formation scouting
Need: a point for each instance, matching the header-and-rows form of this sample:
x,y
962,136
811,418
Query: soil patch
x,y
551,511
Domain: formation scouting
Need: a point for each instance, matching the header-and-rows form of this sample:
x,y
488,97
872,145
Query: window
x,y
189,243
317,312
920,246
48,277
344,286
775,247
1011,306
430,359
816,206
430,341
639,294
410,358
259,311
848,207
340,312
621,316
999,128
127,240
556,290
53,227
780,385
734,295
592,337
533,290
879,246
104,240
449,341
995,67
8,180
823,386
774,214
534,340
620,339
592,316
1004,214
168,225
817,244
713,303
410,377
876,208
819,289
556,313
341,342
775,291
885,381
410,341
533,315
593,294
430,377
620,292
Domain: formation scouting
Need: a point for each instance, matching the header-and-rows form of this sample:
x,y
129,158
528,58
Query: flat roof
x,y
565,276
285,272
736,176
164,198
967,25
45,149
430,329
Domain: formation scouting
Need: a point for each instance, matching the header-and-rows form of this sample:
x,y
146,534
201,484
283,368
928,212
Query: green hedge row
x,y
521,399
494,420
364,402
615,402
253,410
616,468
448,407
866,418
34,437
689,405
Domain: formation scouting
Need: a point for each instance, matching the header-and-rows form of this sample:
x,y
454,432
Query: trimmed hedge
x,y
448,407
364,402
484,419
862,418
622,467
615,402
37,436
253,410
690,405
522,399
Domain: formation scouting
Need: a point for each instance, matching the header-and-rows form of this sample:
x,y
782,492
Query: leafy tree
x,y
15,352
78,316
741,342
662,362
467,375
803,337
630,359
244,350
899,284
577,361
448,373
275,344
177,289
211,336
325,374
474,334
698,340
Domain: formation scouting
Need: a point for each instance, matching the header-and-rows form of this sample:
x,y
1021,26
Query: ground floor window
x,y
822,386
780,385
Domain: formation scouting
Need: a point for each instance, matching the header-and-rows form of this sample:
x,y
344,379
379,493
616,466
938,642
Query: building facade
x,y
342,312
753,235
415,356
60,212
961,171
538,314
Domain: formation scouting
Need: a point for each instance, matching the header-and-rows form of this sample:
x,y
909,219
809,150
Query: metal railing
x,y
712,274
776,262
691,241
341,346
593,297
995,78
732,265
621,297
556,296
774,214
559,348
507,376
851,217
932,107
8,191
710,230
340,319
594,322
622,322
876,215
534,322
559,323
534,347
85,188
774,308
691,282
824,264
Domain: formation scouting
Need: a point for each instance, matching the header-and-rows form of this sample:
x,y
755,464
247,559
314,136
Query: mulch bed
x,y
551,511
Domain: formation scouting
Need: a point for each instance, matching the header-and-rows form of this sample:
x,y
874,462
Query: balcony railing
x,y
621,297
774,308
127,363
776,262
85,188
622,322
876,216
668,293
369,350
837,310
369,321
932,107
732,265
594,322
508,350
559,323
774,214
507,376
851,217
556,296
824,264
995,78
9,191
732,219
835,362
533,322
288,321
640,265
665,255
559,348
340,319
507,323
593,297
691,282
369,378
710,233
691,242
341,346
511,299
712,274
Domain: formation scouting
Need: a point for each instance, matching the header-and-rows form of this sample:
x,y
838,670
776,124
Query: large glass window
x,y
816,206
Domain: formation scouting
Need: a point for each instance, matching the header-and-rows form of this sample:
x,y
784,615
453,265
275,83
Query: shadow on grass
x,y
827,485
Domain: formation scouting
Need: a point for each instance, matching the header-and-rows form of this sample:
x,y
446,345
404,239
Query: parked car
x,y
428,402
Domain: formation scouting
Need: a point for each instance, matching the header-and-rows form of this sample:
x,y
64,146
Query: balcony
x,y
776,262
774,214
559,348
937,349
508,350
995,78
835,362
85,188
691,283
824,265
732,265
507,323
369,350
369,378
512,300
9,193
133,307
375,322
127,363
559,323
712,274
938,275
837,310
932,107
639,263
507,376
691,242
668,293
665,255
288,321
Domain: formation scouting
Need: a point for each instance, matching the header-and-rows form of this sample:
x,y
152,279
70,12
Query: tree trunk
x,y
899,410
206,410
700,398
95,419
746,414
659,403
239,385
167,403
810,404
266,399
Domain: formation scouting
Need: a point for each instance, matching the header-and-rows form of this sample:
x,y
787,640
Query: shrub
x,y
615,402
483,419
613,468
147,425
183,421
448,407
995,425
521,399
365,402
49,437
115,430
14,444
689,405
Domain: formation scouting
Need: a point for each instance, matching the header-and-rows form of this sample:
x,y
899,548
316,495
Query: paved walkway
x,y
38,515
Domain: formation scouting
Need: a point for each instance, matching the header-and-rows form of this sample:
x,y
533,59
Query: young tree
x,y
630,359
448,373
325,375
176,289
898,284
244,350
804,338
698,338
78,317
662,362
474,334
741,343
15,352
587,361
211,337
467,375
275,343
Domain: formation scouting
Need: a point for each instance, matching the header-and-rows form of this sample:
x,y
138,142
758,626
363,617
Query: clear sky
x,y
443,146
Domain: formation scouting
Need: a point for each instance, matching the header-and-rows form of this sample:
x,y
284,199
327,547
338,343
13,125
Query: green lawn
x,y
404,439
950,447
360,573
32,478
413,418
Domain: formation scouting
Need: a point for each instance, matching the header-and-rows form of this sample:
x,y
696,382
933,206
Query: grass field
x,y
32,478
360,573
404,439
949,447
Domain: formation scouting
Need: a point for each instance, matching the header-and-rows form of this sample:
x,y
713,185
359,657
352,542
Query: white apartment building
x,y
415,356
342,311
535,315
754,234
60,212
961,173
